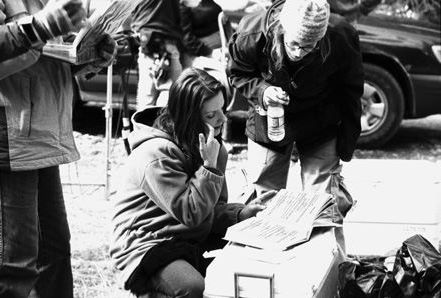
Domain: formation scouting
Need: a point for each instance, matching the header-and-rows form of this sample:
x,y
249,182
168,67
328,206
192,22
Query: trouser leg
x,y
320,171
175,60
267,169
55,273
176,280
146,93
18,233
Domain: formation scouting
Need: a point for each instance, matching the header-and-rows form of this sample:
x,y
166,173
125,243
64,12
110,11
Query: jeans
x,y
34,235
320,170
176,280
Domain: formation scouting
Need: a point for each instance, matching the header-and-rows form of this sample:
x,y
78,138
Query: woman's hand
x,y
256,205
275,96
209,149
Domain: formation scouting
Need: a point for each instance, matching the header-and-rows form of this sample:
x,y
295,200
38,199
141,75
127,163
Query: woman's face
x,y
296,51
213,114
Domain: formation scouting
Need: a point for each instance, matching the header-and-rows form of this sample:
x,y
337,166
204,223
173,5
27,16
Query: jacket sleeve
x,y
15,51
190,200
350,90
13,43
192,44
245,76
225,214
17,64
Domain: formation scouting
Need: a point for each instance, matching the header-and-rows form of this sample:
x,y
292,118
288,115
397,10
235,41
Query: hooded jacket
x,y
324,93
35,100
159,198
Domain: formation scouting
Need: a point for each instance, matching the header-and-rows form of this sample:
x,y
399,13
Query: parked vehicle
x,y
402,63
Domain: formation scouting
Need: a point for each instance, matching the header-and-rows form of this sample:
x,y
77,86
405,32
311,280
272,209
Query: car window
x,y
426,11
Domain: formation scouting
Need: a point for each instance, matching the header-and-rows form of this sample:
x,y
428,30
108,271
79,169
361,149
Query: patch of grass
x,y
93,272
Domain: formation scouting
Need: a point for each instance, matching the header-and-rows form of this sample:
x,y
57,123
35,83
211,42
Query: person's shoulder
x,y
252,23
159,147
339,26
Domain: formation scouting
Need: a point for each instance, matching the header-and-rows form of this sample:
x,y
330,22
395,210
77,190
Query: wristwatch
x,y
27,27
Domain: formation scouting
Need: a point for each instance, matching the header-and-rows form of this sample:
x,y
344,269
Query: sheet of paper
x,y
294,207
262,233
287,221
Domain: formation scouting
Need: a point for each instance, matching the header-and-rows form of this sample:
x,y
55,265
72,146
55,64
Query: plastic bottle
x,y
276,123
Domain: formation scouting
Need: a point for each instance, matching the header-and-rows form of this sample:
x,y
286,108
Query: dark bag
x,y
417,268
362,279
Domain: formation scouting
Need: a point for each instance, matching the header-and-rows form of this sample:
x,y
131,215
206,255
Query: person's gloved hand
x,y
106,49
255,206
59,17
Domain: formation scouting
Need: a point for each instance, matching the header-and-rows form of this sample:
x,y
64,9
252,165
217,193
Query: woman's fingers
x,y
202,143
210,137
263,198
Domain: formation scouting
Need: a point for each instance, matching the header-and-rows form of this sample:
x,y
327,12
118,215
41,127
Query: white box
x,y
310,271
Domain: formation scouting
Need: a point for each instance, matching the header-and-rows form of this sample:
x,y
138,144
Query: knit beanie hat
x,y
305,21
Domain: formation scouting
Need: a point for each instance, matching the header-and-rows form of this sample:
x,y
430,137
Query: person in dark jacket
x,y
291,55
200,29
171,204
158,24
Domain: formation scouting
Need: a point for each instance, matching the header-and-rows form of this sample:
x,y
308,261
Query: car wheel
x,y
382,107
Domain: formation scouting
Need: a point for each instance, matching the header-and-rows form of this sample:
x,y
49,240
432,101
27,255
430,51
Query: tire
x,y
382,107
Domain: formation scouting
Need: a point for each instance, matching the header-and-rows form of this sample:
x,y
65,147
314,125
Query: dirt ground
x,y
90,211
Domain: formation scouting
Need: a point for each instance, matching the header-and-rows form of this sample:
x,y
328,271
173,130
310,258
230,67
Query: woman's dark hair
x,y
277,51
181,118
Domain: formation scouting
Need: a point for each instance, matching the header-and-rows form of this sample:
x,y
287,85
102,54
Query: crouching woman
x,y
172,202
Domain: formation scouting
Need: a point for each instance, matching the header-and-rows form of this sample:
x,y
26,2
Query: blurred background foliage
x,y
422,10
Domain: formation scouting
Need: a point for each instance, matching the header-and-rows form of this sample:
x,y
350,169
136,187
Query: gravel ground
x,y
90,211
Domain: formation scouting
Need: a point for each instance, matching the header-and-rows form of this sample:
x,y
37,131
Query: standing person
x,y
158,25
290,55
200,29
35,137
172,205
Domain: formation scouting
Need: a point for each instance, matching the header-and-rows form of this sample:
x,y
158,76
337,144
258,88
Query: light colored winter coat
x,y
159,198
35,105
